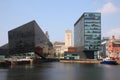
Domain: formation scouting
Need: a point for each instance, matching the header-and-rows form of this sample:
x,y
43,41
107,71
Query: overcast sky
x,y
56,16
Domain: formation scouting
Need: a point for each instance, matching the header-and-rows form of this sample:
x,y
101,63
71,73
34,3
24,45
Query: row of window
x,y
91,21
92,28
92,31
92,14
92,47
92,25
93,38
93,17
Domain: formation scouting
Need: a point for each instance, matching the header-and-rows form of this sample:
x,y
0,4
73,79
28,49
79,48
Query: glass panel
x,y
92,31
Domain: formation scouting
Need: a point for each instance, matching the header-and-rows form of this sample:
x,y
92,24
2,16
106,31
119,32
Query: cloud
x,y
115,32
108,8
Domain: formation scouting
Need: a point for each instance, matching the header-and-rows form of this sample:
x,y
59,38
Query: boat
x,y
109,61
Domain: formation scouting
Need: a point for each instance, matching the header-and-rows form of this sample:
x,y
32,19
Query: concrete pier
x,y
85,61
81,61
8,62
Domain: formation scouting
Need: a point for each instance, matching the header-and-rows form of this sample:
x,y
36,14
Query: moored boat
x,y
108,61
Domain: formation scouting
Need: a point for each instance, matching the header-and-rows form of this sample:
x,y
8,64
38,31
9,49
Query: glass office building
x,y
87,35
27,38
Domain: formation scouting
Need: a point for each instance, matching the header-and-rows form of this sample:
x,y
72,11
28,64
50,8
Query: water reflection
x,y
3,74
61,71
111,72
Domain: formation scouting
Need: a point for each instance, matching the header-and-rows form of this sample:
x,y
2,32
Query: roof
x,y
59,43
82,17
116,41
78,19
24,25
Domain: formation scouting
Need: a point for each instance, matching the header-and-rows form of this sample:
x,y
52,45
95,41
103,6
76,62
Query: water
x,y
61,71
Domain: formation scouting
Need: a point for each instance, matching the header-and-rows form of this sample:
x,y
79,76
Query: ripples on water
x,y
61,71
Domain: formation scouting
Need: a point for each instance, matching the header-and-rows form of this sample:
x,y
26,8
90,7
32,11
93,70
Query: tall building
x,y
68,39
27,38
87,35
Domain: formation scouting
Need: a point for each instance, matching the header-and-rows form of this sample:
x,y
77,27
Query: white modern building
x,y
59,48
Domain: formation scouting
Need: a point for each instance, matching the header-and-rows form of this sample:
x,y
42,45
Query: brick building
x,y
71,54
113,48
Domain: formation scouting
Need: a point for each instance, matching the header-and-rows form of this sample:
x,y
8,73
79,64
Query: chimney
x,y
113,37
47,35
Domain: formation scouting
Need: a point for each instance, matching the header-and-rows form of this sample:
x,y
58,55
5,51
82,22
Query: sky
x,y
56,16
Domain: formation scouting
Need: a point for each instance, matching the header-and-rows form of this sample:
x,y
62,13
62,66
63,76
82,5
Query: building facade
x,y
103,53
87,35
68,39
59,49
113,48
26,38
71,54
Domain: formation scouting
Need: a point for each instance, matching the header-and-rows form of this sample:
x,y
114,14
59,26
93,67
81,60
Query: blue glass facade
x,y
87,34
92,24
